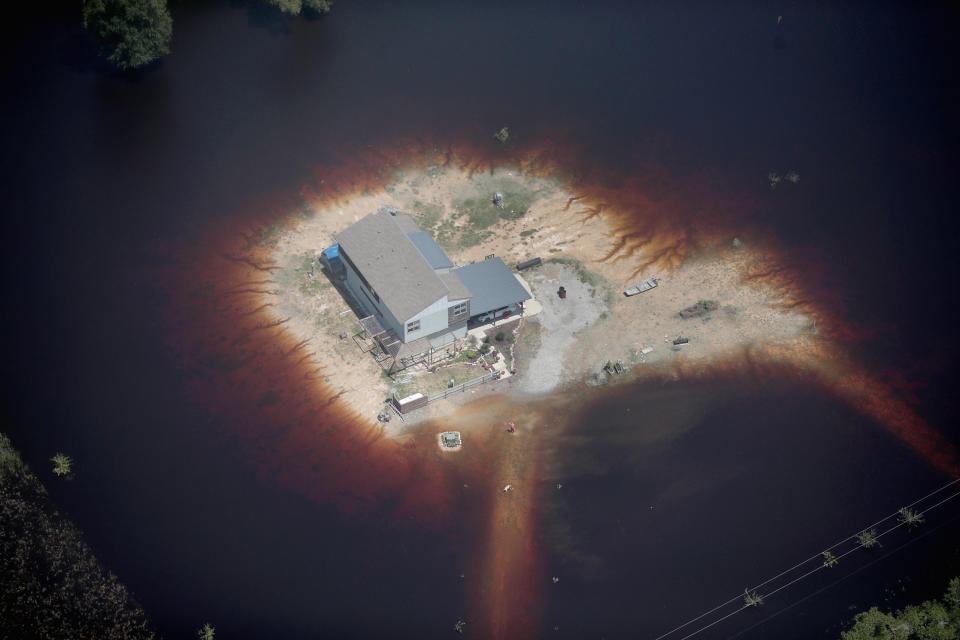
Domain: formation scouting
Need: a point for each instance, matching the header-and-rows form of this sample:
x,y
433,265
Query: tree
x,y
752,598
910,517
295,7
130,33
829,560
868,539
933,620
206,632
503,135
62,464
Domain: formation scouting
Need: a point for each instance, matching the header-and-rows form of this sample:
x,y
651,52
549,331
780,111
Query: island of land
x,y
704,308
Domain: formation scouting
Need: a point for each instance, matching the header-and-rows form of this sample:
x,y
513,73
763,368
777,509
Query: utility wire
x,y
800,564
820,567
908,543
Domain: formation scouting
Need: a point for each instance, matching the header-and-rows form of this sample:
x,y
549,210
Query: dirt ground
x,y
570,339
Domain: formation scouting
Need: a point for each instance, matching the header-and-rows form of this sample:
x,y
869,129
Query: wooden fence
x,y
463,387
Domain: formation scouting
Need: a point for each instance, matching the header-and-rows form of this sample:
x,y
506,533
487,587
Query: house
x,y
413,297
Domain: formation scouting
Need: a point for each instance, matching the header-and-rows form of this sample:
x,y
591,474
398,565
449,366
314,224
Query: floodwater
x,y
219,478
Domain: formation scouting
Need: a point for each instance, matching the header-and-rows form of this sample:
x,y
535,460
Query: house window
x,y
413,326
460,309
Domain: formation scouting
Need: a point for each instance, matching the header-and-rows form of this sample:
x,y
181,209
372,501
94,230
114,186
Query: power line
x,y
912,541
800,564
818,568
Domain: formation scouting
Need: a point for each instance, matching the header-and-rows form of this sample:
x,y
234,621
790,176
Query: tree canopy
x,y
295,7
134,33
932,620
51,585
130,33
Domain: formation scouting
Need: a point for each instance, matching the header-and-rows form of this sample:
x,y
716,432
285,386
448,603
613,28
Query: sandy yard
x,y
569,339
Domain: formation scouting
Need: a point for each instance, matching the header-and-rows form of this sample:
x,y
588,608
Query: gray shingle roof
x,y
458,290
492,285
392,265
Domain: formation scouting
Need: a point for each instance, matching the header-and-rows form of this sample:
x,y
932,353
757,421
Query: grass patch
x,y
431,383
527,233
516,204
476,216
427,215
480,214
585,276
306,285
528,340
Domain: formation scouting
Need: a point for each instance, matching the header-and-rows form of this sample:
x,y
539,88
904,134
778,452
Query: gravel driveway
x,y
560,320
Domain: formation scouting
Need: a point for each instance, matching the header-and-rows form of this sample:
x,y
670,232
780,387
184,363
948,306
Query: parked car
x,y
502,312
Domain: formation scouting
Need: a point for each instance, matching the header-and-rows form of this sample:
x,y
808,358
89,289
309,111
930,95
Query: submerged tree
x,y
752,598
206,632
503,135
910,517
829,560
130,33
295,7
868,539
62,464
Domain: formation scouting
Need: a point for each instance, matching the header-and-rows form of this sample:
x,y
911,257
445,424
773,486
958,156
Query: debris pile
x,y
702,307
614,368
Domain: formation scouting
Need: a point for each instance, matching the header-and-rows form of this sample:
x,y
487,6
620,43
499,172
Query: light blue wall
x,y
432,319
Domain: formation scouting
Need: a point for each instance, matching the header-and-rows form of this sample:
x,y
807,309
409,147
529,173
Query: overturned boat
x,y
640,287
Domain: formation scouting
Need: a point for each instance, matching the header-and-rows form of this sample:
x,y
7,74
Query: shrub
x,y
500,336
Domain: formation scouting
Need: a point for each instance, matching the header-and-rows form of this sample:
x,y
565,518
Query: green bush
x,y
500,336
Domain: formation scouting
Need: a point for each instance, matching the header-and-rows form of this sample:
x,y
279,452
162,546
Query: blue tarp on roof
x,y
332,252
492,285
434,255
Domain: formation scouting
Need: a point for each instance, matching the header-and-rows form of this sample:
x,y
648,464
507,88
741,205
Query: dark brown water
x,y
221,481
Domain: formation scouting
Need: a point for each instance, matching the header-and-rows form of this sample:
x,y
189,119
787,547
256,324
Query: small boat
x,y
646,285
